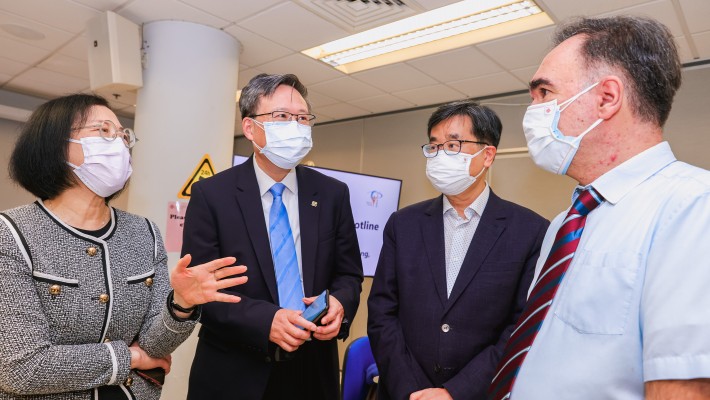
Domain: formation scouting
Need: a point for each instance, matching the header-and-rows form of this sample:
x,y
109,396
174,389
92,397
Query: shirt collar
x,y
477,206
266,182
621,180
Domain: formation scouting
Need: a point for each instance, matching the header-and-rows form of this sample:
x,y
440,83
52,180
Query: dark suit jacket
x,y
225,218
422,339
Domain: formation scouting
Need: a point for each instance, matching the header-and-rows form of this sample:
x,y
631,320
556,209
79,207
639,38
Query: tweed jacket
x,y
71,304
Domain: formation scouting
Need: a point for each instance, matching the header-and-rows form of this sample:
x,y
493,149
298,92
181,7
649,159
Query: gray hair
x,y
264,85
642,48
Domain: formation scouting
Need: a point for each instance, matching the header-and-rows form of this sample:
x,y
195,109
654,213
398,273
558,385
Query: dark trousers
x,y
219,373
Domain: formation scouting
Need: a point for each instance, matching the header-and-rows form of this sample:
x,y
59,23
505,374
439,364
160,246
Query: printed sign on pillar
x,y
204,170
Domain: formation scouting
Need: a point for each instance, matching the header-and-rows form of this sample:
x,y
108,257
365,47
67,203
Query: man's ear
x,y
247,128
611,96
490,153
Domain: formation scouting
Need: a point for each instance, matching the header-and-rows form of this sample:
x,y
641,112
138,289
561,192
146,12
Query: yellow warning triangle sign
x,y
204,170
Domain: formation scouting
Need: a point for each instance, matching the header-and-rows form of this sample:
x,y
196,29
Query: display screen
x,y
373,200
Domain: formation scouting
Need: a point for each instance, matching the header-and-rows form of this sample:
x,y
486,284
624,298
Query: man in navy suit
x,y
293,228
454,271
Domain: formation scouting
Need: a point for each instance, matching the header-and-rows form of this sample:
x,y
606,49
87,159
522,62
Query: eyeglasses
x,y
109,132
450,147
283,116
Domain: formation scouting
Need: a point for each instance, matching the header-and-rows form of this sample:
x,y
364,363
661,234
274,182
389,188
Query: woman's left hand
x,y
200,284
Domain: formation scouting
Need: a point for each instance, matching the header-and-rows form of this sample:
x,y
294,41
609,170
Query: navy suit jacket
x,y
225,218
422,339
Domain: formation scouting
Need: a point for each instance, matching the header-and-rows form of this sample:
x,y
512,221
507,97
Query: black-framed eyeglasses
x,y
284,116
109,132
450,147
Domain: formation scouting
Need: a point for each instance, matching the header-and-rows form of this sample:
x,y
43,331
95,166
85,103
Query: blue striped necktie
x,y
542,295
283,250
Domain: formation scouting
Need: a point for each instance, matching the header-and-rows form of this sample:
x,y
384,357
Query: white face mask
x,y
450,174
106,167
287,142
549,148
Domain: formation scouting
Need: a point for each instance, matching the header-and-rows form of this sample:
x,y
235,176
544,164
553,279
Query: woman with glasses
x,y
86,305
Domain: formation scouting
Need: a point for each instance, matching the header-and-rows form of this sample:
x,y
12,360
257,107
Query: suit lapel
x,y
433,238
308,212
488,232
249,200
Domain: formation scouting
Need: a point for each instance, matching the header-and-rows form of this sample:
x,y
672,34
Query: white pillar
x,y
185,109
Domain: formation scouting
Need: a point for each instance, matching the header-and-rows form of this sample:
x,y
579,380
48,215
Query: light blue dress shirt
x,y
635,304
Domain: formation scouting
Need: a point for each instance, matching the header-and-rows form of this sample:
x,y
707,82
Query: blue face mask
x,y
549,148
287,142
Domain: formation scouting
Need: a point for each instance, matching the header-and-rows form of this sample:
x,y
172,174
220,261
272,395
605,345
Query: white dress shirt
x,y
458,233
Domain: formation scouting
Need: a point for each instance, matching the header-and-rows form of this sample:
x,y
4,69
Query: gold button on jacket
x,y
149,282
91,251
55,290
103,299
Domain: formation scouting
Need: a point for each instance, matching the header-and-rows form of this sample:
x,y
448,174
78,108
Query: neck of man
x,y
468,196
612,147
274,172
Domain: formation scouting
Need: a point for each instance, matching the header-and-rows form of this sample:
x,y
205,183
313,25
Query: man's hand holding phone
x,y
330,322
286,331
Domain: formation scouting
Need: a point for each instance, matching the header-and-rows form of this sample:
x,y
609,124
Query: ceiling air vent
x,y
358,15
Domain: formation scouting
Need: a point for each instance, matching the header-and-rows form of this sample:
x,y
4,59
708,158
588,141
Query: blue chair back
x,y
359,369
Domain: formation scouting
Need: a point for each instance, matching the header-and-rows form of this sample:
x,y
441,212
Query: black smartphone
x,y
156,376
318,308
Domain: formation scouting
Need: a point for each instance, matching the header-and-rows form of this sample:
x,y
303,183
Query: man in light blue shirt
x,y
631,315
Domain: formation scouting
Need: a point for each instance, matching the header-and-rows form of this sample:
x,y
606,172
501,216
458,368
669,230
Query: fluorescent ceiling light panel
x,y
445,28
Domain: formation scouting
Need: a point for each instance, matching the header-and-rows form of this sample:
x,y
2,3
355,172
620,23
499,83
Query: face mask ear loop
x,y
569,101
476,155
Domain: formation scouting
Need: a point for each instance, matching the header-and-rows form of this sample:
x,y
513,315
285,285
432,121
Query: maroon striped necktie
x,y
542,294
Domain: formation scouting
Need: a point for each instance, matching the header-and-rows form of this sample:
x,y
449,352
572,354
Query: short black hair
x,y
642,48
39,160
484,121
265,85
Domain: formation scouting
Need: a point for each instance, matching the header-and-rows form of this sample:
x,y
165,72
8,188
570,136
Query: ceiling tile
x,y
103,5
395,78
231,10
684,49
21,52
456,64
342,110
61,14
662,11
37,77
382,103
309,70
319,100
430,95
525,74
4,78
246,75
12,67
66,65
293,27
696,14
346,89
488,85
156,10
256,50
563,9
520,50
53,37
702,42
77,48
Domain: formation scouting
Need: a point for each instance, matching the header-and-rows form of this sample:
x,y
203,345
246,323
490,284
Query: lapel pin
x,y
314,204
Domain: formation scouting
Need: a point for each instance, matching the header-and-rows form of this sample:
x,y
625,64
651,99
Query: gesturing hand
x,y
200,284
